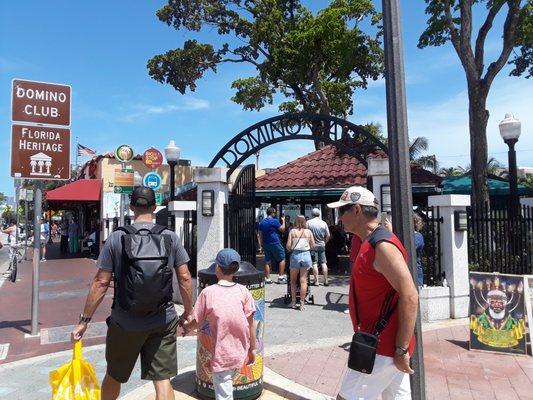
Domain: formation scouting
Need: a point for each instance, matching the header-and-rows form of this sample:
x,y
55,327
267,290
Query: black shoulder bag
x,y
364,345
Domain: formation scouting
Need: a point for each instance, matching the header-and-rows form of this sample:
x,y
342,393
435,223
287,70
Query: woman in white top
x,y
300,243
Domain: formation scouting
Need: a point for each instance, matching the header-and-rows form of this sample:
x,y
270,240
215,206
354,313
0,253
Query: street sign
x,y
124,153
158,198
26,194
152,180
39,152
152,158
40,102
124,181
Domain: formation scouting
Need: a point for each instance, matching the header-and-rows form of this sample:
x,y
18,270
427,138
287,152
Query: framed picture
x,y
497,313
528,295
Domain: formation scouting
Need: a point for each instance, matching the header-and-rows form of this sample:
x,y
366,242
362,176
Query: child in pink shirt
x,y
229,309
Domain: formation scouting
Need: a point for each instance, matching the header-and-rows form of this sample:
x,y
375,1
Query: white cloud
x,y
146,110
445,122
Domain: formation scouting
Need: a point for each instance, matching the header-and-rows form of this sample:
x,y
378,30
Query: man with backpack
x,y
143,319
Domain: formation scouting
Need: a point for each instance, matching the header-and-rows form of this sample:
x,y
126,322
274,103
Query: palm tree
x,y
418,146
451,171
494,167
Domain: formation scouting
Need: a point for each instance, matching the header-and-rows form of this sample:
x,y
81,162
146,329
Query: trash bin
x,y
248,383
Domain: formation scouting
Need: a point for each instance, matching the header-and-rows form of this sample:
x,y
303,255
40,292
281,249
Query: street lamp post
x,y
510,129
172,154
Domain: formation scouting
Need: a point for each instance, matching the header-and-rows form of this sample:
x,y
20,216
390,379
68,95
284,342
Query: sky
x,y
101,48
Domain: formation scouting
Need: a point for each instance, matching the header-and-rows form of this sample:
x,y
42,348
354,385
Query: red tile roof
x,y
329,168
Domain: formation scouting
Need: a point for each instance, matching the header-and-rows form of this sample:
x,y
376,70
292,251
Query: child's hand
x,y
251,357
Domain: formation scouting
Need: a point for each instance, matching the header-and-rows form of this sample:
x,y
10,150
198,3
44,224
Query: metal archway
x,y
346,136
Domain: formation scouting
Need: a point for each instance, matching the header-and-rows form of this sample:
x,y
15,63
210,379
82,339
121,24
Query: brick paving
x,y
63,290
452,371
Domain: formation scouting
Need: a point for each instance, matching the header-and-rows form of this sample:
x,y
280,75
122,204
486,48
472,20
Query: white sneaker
x,y
268,280
282,279
43,259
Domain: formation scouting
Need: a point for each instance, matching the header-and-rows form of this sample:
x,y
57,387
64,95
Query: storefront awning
x,y
80,190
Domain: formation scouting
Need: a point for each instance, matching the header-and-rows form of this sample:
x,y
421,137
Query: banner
x,y
497,313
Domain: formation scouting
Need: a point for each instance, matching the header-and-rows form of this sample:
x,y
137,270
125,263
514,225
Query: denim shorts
x,y
319,255
301,259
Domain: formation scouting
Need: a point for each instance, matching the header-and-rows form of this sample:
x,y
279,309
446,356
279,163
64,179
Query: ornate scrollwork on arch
x,y
346,136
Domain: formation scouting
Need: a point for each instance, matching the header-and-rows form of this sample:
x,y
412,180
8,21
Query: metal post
x,y
17,201
122,202
36,258
400,170
513,179
172,166
26,205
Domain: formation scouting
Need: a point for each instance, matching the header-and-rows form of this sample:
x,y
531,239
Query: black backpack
x,y
145,280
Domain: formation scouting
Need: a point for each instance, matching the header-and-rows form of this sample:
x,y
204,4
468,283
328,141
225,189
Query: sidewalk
x,y
452,371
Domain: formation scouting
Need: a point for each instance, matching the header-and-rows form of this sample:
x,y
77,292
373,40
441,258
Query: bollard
x,y
248,383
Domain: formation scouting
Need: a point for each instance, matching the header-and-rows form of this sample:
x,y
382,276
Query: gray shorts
x,y
319,255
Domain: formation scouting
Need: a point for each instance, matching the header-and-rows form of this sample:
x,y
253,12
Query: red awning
x,y
80,190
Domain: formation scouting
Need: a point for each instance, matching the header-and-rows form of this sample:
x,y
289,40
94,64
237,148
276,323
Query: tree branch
x,y
482,35
509,35
466,39
454,34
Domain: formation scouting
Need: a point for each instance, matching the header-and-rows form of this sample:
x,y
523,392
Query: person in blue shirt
x,y
419,246
270,229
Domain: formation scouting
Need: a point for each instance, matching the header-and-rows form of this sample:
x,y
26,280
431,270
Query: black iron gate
x,y
189,239
500,239
431,256
239,230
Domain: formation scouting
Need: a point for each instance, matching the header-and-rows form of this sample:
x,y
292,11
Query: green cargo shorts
x,y
157,348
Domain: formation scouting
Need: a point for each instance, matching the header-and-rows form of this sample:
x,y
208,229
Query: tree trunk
x,y
478,118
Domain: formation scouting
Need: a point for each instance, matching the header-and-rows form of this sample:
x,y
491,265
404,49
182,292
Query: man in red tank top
x,y
380,281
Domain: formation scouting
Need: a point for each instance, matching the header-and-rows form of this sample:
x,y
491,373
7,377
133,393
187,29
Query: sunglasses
x,y
344,209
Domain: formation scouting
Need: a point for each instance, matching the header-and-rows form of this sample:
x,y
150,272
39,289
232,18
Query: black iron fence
x,y
189,239
500,239
431,253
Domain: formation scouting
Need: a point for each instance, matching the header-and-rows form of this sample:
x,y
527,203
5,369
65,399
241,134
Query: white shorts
x,y
223,384
386,380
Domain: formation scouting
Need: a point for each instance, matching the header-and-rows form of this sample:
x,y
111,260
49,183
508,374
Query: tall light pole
x,y
510,130
172,154
399,167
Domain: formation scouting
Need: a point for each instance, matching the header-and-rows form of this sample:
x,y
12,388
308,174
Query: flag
x,y
85,151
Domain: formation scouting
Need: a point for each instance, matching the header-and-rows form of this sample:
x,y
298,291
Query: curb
x,y
270,379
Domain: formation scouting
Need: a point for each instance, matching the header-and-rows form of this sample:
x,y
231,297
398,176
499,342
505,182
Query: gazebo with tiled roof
x,y
321,176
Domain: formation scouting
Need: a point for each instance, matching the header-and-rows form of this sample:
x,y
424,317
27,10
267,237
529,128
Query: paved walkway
x,y
452,371
303,349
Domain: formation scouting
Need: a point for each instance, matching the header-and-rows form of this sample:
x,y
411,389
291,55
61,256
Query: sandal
x,y
292,305
301,306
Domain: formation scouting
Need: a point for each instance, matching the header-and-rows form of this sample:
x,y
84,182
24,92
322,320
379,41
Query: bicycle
x,y
15,257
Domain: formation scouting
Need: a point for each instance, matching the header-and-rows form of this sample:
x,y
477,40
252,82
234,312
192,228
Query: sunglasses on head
x,y
345,208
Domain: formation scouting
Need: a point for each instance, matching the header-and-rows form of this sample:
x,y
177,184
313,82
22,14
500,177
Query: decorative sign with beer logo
x,y
39,152
124,153
497,313
152,158
41,102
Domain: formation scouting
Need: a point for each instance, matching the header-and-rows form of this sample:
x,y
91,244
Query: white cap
x,y
356,195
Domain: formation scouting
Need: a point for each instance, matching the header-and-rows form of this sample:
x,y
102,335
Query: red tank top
x,y
372,289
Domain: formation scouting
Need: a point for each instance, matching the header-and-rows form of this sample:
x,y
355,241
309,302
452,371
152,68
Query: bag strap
x,y
158,229
385,312
298,241
129,229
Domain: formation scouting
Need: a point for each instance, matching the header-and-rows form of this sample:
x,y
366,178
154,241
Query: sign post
x,y
39,152
124,154
36,258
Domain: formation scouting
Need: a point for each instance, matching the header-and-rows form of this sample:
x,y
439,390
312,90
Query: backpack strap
x,y
129,229
158,229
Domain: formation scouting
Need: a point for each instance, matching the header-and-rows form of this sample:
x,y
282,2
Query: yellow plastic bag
x,y
75,380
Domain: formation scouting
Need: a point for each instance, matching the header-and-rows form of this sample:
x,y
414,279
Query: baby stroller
x,y
310,299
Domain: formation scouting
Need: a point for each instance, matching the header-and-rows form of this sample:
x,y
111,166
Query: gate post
x,y
454,248
210,229
378,170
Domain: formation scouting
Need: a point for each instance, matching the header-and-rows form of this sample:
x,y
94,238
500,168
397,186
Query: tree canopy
x,y
315,62
453,21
